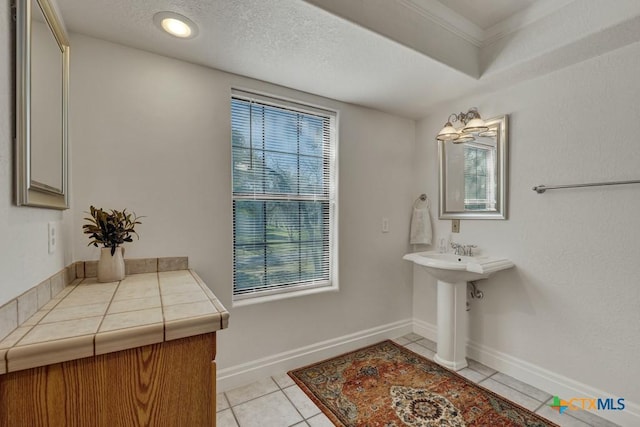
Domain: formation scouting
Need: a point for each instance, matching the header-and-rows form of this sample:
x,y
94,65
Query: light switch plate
x,y
52,231
455,225
385,225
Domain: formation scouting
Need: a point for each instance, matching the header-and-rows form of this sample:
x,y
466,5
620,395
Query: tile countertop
x,y
89,318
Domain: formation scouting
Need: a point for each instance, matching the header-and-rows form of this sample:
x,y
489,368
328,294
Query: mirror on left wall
x,y
42,93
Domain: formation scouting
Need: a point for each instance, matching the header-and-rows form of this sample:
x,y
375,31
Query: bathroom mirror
x,y
473,174
42,79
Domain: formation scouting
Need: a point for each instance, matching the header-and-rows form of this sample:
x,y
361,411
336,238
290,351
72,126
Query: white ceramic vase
x,y
111,267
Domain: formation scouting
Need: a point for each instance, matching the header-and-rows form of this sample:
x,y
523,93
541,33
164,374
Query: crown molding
x,y
457,24
446,18
518,21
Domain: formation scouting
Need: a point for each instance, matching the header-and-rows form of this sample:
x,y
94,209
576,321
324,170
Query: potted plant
x,y
110,229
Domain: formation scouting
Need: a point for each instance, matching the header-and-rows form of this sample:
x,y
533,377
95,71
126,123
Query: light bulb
x,y
176,27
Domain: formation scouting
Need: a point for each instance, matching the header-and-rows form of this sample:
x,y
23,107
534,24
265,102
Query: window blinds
x,y
283,192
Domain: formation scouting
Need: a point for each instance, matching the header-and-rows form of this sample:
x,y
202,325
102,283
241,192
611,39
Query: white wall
x,y
152,134
572,304
24,257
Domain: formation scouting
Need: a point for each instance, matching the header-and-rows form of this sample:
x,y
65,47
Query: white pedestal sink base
x,y
452,313
453,272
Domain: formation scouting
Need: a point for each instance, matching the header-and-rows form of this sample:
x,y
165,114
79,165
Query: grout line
x,y
257,397
304,419
294,405
521,392
233,414
539,407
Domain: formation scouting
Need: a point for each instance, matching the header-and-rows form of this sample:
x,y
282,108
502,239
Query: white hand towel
x,y
421,232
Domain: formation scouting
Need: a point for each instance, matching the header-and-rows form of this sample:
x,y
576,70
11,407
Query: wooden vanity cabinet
x,y
170,384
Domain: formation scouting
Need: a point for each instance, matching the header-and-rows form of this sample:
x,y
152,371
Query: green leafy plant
x,y
110,228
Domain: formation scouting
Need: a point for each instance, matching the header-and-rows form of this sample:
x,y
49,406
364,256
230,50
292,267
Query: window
x,y
479,177
284,197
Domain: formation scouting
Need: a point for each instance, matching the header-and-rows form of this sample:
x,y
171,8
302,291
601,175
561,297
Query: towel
x,y
421,232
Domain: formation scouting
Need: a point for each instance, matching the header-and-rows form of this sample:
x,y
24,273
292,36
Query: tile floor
x,y
278,402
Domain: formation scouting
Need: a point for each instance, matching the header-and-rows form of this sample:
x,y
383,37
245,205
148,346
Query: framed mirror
x,y
473,174
42,87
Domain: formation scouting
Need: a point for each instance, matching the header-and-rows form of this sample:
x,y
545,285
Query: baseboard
x,y
425,329
236,376
551,382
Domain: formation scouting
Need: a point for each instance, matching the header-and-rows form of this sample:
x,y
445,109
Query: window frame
x,y
294,289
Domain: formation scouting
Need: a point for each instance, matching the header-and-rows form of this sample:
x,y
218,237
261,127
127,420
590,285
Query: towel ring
x,y
423,198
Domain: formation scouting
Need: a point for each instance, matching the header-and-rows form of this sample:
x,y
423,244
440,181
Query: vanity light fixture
x,y
175,24
472,124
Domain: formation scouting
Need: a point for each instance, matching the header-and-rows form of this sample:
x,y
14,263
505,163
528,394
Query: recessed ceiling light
x,y
176,24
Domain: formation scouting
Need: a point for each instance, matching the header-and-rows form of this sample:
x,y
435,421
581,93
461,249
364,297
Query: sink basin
x,y
453,272
453,268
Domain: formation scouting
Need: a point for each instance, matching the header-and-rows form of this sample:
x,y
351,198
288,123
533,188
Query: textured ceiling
x,y
395,56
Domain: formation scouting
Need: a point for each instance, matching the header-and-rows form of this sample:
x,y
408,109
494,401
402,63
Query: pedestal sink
x,y
453,272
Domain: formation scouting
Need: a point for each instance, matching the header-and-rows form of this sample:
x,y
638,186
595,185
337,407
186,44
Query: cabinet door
x,y
167,384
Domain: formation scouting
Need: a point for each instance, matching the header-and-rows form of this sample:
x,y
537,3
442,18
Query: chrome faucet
x,y
459,249
468,249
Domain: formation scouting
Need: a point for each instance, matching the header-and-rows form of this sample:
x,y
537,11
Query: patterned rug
x,y
387,385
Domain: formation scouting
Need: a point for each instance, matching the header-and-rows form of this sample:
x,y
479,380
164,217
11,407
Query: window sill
x,y
284,295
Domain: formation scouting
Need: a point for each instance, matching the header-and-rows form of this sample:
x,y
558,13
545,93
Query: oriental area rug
x,y
386,385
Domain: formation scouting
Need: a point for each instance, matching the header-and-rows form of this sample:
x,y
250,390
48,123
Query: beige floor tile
x,y
221,402
564,420
422,351
515,396
225,419
271,410
585,417
401,341
479,367
471,375
536,393
431,345
320,420
301,401
592,419
413,337
251,391
283,380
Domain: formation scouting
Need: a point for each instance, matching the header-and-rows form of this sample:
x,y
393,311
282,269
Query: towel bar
x,y
542,188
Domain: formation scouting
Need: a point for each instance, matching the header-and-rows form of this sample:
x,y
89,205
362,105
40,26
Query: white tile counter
x,y
89,318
